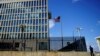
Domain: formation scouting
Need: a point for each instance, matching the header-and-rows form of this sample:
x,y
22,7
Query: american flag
x,y
57,19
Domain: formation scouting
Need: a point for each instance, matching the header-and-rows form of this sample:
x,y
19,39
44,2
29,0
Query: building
x,y
24,23
98,41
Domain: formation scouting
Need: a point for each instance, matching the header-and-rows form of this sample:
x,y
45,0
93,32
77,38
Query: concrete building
x,y
24,23
98,41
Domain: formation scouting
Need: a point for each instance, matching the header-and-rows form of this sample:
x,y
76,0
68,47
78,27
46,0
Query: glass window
x,y
34,3
39,21
39,35
32,9
40,3
40,15
36,21
37,15
43,15
0,17
43,3
37,3
39,28
26,4
43,21
45,28
33,21
36,28
42,28
46,35
32,15
30,3
0,5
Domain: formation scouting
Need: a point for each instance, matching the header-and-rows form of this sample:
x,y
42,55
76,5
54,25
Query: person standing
x,y
91,51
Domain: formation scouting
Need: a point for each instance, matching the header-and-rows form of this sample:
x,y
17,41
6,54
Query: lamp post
x,y
78,29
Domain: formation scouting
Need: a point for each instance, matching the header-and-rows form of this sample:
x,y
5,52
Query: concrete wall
x,y
13,53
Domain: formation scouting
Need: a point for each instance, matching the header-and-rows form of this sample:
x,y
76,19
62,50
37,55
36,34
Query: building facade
x,y
98,42
24,19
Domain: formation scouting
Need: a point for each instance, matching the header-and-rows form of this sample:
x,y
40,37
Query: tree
x,y
22,27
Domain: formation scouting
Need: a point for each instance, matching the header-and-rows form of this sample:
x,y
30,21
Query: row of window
x,y
24,10
23,4
25,29
24,36
24,16
27,22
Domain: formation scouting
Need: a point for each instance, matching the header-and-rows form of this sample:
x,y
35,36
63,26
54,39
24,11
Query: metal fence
x,y
51,44
67,44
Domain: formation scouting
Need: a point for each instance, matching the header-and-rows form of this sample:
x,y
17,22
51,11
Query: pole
x,y
74,41
62,33
79,33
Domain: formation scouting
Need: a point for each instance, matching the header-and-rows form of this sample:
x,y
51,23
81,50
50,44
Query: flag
x,y
57,19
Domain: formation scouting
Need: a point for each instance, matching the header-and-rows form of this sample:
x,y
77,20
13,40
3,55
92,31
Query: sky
x,y
76,13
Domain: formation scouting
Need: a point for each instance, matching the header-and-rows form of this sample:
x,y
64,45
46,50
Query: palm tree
x,y
22,27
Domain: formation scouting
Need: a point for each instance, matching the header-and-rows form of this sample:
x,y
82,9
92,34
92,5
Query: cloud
x,y
99,22
74,1
51,24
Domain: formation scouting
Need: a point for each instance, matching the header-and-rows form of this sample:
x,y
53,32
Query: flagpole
x,y
62,33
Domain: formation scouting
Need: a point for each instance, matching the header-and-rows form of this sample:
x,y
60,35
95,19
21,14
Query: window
x,y
0,17
39,28
31,3
0,5
36,21
34,3
43,21
43,15
26,4
42,28
36,28
39,35
40,21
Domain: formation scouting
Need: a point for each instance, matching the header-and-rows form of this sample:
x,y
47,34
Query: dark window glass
x,y
26,4
0,5
30,3
40,3
43,3
36,28
43,15
33,21
46,35
42,28
45,28
34,3
36,21
43,21
40,15
39,21
0,17
39,28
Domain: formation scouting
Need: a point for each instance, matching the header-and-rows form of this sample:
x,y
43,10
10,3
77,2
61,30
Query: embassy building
x,y
24,25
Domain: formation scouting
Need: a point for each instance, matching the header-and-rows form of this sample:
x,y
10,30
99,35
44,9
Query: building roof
x,y
8,1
